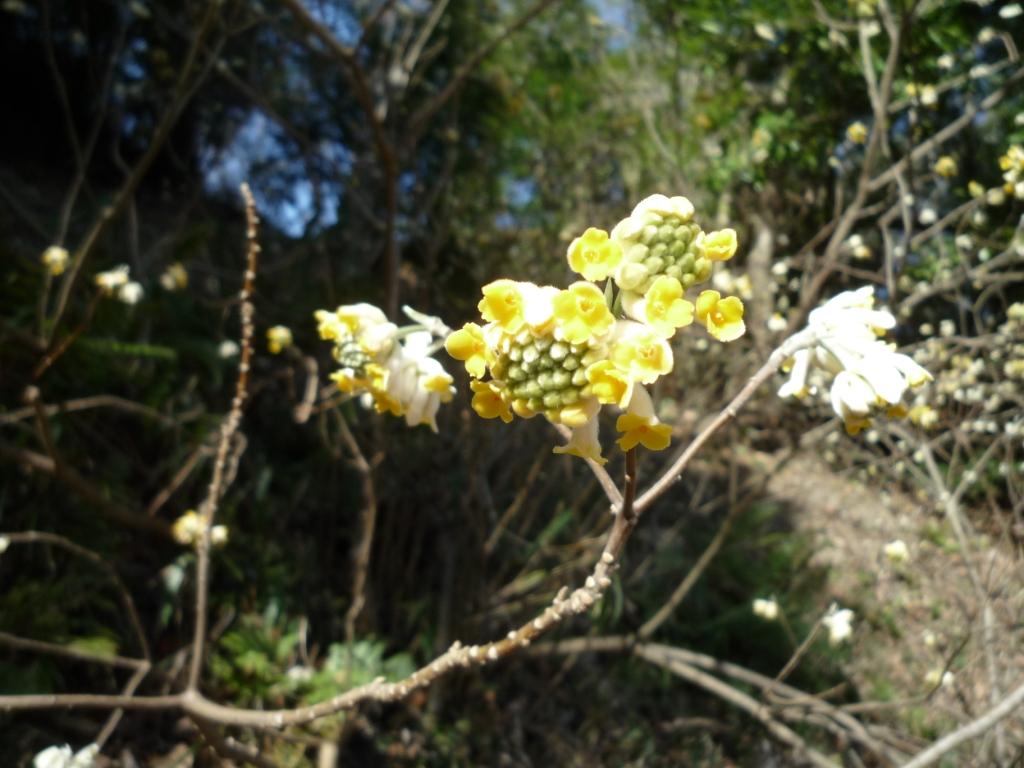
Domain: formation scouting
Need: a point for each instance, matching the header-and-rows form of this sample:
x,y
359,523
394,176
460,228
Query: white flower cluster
x,y
390,368
188,530
62,757
115,282
839,623
869,376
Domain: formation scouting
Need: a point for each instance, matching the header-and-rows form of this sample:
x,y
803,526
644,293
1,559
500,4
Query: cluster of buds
x,y
1012,166
566,353
389,368
116,283
188,530
870,376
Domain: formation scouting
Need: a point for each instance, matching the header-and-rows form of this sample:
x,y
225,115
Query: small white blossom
x,y
130,293
55,259
113,279
839,623
766,609
62,757
896,551
937,678
4,544
227,349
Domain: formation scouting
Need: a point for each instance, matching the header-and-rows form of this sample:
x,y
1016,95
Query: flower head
x,y
55,259
720,245
489,401
468,345
663,307
869,376
594,255
945,166
839,623
130,293
110,281
582,313
641,353
391,369
896,551
175,277
279,338
503,304
767,609
857,132
722,317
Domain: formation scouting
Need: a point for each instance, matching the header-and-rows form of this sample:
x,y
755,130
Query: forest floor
x,y
919,618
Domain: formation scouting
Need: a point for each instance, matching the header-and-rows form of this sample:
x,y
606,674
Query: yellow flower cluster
x,y
1012,166
389,368
565,353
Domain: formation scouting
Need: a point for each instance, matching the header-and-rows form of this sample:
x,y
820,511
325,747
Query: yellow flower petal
x,y
489,401
594,255
722,317
720,245
609,384
468,345
503,304
642,354
665,309
645,431
581,312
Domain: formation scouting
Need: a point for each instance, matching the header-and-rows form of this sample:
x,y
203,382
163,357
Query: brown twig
x,y
228,429
367,526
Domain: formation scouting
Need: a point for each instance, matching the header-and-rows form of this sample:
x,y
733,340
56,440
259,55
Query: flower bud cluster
x,y
1012,166
566,353
389,368
188,530
869,376
981,394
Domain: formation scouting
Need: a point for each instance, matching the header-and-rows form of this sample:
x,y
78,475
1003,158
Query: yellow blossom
x,y
468,345
175,277
608,384
722,317
642,430
594,255
665,309
488,401
974,189
582,313
383,402
55,259
346,382
583,441
503,304
642,354
945,166
329,326
720,245
857,132
278,338
440,384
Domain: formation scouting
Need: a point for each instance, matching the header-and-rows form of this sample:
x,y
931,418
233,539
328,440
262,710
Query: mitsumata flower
x,y
55,259
279,338
392,369
722,317
870,377
567,353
